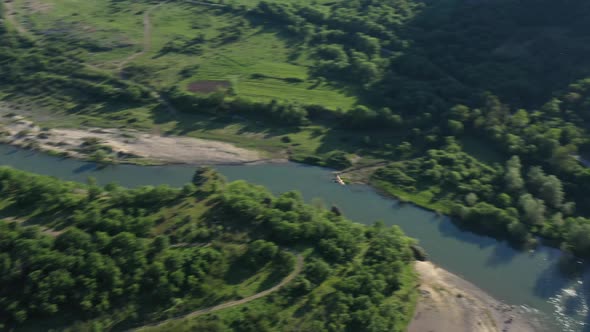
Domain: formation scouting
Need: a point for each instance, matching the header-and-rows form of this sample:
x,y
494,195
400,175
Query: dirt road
x,y
147,37
147,45
283,283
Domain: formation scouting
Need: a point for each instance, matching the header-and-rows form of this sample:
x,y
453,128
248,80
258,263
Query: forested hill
x,y
422,55
521,51
79,257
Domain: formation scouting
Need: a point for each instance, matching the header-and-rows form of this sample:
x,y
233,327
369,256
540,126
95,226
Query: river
x,y
554,287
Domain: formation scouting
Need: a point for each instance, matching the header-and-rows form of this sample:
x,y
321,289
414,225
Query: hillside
x,y
229,256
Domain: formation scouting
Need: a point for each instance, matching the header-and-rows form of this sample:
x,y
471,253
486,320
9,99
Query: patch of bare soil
x,y
450,303
127,144
208,86
11,16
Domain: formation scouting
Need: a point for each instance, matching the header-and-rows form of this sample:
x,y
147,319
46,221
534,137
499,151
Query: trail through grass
x,y
147,37
296,271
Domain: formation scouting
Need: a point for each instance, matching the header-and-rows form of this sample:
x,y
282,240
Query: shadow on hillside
x,y
375,143
186,123
239,271
521,51
271,280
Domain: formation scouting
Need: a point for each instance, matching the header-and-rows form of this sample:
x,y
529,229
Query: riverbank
x,y
533,276
449,303
126,146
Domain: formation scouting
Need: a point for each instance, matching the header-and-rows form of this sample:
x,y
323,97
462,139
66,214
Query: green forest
x,y
475,109
81,257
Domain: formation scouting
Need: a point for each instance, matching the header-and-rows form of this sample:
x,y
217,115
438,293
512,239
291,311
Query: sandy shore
x,y
126,145
450,303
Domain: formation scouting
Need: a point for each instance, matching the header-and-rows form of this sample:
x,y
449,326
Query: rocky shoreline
x,y
124,146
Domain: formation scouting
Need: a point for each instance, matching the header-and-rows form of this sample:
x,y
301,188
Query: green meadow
x,y
259,63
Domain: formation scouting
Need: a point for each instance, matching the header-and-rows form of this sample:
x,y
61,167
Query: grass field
x,y
257,61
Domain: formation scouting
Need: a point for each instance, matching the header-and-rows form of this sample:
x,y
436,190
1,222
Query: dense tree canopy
x,y
114,257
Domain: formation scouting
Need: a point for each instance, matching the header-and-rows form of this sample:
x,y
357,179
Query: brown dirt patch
x,y
208,86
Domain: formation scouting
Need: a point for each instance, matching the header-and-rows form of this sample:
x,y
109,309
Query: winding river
x,y
546,282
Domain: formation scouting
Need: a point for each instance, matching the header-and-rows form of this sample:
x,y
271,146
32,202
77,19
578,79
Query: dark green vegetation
x,y
475,108
87,258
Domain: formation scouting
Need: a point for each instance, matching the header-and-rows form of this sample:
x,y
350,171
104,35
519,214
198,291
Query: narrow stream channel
x,y
545,281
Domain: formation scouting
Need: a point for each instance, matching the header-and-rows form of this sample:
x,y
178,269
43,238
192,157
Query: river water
x,y
551,285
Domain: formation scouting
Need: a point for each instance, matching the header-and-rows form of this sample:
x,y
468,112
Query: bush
x,y
337,160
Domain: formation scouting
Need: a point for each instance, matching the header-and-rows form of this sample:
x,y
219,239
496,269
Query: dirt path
x,y
283,283
11,16
147,45
360,174
450,303
147,31
147,37
171,109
